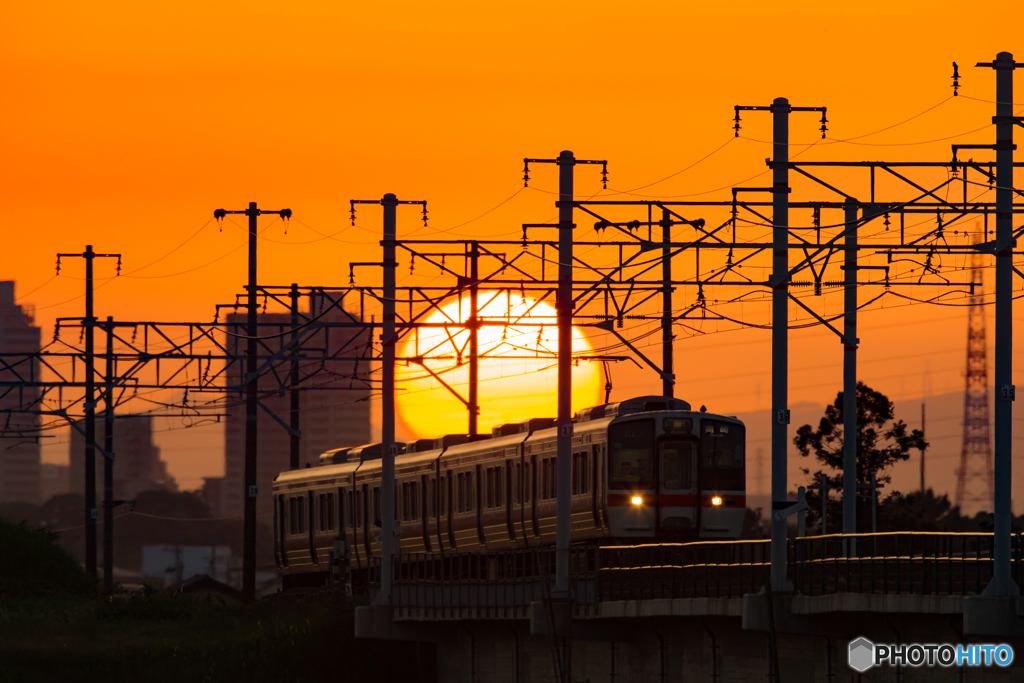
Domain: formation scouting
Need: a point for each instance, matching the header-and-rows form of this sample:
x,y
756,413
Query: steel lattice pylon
x,y
974,476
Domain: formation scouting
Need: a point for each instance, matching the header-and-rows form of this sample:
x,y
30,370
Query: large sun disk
x,y
517,367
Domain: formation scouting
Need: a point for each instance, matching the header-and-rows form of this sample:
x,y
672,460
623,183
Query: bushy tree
x,y
882,441
922,512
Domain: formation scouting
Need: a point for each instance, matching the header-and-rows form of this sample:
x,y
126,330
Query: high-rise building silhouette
x,y
328,418
137,464
19,450
974,476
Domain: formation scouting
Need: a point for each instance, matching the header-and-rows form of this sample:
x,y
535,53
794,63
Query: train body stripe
x,y
676,500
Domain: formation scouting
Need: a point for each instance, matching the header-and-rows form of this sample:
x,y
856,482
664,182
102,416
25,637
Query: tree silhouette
x,y
882,441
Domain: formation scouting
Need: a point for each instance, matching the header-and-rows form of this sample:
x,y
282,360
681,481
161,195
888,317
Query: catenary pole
x,y
251,380
850,343
88,325
1002,582
388,450
474,338
250,490
91,512
293,443
108,465
667,375
780,109
564,304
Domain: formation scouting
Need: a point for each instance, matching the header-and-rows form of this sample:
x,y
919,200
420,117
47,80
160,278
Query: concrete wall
x,y
489,648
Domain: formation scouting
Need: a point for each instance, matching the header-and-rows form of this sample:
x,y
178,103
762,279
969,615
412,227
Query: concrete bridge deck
x,y
698,612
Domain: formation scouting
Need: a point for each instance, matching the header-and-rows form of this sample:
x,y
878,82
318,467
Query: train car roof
x,y
309,474
492,444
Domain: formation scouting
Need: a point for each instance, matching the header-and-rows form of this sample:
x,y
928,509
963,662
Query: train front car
x,y
675,475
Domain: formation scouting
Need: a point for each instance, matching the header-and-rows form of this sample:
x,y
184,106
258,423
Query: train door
x,y
451,522
479,499
678,496
509,494
532,484
425,508
311,516
439,505
366,522
281,533
353,520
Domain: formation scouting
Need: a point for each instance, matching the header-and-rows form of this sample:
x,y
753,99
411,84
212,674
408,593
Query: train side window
x,y
583,473
528,475
517,489
494,487
499,486
414,514
376,505
341,510
330,512
445,493
292,530
312,510
322,510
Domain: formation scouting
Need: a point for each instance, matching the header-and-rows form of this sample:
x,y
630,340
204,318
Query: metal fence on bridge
x,y
896,562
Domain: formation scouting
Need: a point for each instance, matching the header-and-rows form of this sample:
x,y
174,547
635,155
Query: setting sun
x,y
517,367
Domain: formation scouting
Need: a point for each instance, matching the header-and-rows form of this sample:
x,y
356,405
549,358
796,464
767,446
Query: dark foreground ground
x,y
148,639
56,626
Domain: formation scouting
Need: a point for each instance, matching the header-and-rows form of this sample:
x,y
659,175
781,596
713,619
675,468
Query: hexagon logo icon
x,y
862,655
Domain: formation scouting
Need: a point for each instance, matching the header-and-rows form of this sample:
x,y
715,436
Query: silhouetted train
x,y
646,469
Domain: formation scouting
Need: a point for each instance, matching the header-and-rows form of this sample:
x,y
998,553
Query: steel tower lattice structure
x,y
974,476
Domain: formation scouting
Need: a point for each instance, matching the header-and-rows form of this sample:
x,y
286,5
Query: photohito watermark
x,y
864,654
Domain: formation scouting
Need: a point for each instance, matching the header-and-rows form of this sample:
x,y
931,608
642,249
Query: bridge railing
x,y
502,578
921,563
897,562
712,569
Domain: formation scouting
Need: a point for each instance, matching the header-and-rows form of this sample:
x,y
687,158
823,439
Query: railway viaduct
x,y
699,611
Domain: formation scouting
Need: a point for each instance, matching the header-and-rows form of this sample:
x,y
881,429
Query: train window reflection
x,y
722,456
631,455
677,465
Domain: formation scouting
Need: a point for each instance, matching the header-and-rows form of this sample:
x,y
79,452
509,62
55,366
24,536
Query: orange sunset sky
x,y
126,124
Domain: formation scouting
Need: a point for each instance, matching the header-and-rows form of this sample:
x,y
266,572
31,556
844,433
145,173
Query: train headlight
x,y
636,500
716,500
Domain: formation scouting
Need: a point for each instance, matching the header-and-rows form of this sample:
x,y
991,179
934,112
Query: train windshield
x,y
722,451
631,455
